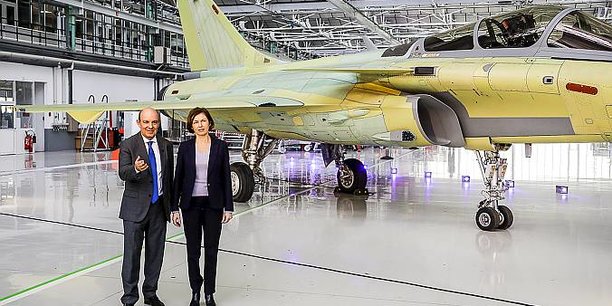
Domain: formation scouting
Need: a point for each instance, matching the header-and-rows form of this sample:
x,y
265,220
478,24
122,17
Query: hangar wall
x,y
50,86
12,138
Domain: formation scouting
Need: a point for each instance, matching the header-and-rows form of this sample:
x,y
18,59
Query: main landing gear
x,y
351,175
246,175
491,215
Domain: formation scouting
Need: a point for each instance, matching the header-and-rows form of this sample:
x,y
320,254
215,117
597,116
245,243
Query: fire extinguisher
x,y
28,141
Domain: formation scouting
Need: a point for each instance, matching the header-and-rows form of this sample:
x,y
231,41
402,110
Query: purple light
x,y
393,170
509,183
561,189
427,174
465,178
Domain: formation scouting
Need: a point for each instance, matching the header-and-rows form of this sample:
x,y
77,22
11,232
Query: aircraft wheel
x,y
487,219
507,217
243,182
352,176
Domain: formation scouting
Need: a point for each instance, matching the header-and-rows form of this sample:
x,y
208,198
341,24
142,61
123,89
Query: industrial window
x,y
6,92
49,17
18,93
82,30
8,10
7,100
7,117
23,93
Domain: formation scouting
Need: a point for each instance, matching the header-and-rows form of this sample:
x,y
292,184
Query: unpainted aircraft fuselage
x,y
490,93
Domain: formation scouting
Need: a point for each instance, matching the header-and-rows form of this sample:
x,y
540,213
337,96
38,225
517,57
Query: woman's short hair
x,y
196,111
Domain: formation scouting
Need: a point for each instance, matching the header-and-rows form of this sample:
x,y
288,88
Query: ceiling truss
x,y
339,26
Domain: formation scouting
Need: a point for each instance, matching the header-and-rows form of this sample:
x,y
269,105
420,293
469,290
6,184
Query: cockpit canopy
x,y
580,31
522,29
518,29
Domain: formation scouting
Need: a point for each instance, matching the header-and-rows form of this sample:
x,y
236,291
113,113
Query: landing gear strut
x,y
491,215
352,175
246,175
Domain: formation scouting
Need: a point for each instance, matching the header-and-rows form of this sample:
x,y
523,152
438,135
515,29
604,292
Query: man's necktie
x,y
153,166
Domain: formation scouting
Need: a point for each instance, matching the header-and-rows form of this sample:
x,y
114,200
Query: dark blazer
x,y
219,181
138,186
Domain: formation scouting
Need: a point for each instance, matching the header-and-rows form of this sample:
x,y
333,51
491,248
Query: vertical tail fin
x,y
212,41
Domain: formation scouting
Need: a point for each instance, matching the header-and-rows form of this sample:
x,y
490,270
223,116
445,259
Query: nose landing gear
x,y
490,214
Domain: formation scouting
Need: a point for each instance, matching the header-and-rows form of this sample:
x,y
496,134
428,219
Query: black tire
x,y
358,173
243,182
508,217
487,219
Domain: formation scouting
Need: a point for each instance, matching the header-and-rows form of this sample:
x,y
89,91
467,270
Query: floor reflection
x,y
351,206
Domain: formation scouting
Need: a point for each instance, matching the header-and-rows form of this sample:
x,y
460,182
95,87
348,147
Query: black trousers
x,y
151,230
201,219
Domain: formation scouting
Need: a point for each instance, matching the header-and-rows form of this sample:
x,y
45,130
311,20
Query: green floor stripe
x,y
59,278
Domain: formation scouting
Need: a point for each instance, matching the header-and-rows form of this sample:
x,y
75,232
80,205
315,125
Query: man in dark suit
x,y
146,164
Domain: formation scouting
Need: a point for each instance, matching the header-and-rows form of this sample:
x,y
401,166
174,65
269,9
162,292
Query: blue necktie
x,y
153,166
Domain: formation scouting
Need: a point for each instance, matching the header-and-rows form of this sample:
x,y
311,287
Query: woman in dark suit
x,y
203,191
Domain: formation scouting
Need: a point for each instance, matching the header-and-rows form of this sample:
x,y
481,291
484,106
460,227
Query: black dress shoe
x,y
210,300
126,304
195,299
153,301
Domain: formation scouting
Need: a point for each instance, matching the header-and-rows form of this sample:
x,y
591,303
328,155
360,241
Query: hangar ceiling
x,y
338,26
335,27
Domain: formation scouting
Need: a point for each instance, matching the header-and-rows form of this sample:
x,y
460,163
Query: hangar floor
x,y
413,241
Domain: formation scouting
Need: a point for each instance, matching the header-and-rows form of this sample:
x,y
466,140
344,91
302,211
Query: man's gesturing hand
x,y
140,165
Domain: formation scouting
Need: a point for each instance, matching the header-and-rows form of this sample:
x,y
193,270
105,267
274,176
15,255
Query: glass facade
x,y
76,29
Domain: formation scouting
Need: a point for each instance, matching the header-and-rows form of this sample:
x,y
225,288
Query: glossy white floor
x,y
412,242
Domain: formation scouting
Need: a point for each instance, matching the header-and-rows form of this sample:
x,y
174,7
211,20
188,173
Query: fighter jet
x,y
540,74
